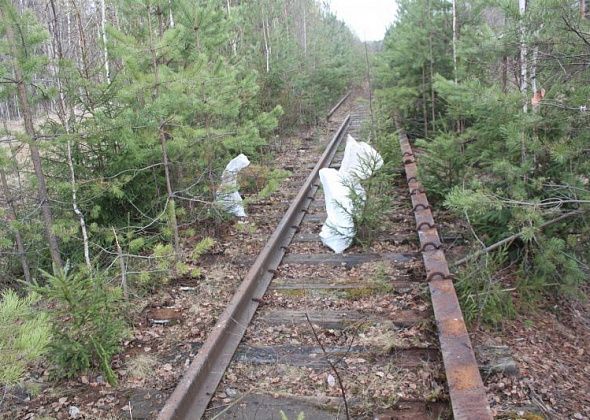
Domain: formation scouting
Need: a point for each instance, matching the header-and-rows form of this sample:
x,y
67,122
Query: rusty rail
x,y
466,389
338,105
195,389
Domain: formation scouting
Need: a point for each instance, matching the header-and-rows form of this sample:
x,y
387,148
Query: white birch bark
x,y
65,113
455,39
304,29
266,43
105,49
523,73
534,70
523,54
170,15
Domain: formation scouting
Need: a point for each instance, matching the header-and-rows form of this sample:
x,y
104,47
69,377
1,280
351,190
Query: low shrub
x,y
87,319
25,333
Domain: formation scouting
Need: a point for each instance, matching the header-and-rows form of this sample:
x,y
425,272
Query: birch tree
x,y
66,113
103,30
522,8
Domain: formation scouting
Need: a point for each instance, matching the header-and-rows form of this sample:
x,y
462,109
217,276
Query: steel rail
x,y
197,386
338,105
466,389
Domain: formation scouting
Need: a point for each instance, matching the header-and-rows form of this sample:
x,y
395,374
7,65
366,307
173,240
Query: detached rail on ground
x,y
466,389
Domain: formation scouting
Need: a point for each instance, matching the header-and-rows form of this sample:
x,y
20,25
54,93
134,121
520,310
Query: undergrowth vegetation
x,y
25,334
497,106
88,322
129,133
372,208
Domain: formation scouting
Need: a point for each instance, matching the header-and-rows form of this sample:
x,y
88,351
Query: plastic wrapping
x,y
360,160
338,230
228,196
343,191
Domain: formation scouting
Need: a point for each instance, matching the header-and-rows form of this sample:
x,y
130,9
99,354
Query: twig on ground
x,y
332,366
230,405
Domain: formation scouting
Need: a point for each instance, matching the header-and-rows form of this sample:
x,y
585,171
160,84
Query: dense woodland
x,y
496,92
118,118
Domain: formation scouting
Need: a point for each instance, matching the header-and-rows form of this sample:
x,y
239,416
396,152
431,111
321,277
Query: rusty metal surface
x,y
466,389
338,105
195,389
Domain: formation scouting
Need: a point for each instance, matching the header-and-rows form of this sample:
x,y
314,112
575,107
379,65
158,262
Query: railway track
x,y
362,334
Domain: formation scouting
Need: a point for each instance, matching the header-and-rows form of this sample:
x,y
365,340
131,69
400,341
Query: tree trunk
x,y
233,41
523,72
455,40
83,50
171,15
171,205
432,95
535,90
505,74
370,93
304,29
266,35
424,102
105,50
64,113
12,217
122,266
27,114
523,54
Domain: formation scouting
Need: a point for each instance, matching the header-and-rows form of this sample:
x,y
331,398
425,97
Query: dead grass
x,y
142,366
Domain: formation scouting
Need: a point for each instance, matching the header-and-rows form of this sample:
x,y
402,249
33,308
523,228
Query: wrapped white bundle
x,y
228,196
359,163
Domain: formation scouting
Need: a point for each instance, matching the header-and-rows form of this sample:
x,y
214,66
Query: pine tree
x,y
506,170
25,62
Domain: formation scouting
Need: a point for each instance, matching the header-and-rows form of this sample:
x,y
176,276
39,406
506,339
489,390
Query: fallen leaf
x,y
331,380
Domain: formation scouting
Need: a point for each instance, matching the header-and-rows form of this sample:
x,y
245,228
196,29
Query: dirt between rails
x,y
170,325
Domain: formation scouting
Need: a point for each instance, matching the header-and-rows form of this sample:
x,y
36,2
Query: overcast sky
x,y
368,18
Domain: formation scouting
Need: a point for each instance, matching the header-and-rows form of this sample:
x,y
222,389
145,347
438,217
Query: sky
x,y
369,19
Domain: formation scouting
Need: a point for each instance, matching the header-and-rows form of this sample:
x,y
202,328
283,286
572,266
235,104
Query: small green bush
x,y
87,322
260,180
484,299
274,180
371,209
24,335
443,164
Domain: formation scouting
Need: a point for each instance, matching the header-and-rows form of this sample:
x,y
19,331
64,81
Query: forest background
x,y
119,116
496,94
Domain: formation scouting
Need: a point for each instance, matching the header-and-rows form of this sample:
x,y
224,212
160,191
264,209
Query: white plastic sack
x,y
360,160
228,197
338,230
